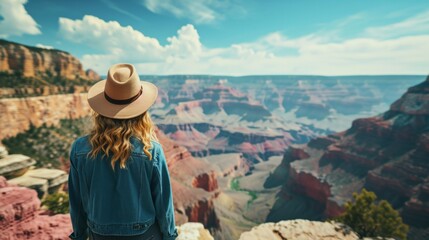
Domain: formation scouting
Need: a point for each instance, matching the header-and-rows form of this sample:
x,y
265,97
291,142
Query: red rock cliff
x,y
387,154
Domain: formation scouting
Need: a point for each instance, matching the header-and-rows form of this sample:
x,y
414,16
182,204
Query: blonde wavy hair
x,y
112,136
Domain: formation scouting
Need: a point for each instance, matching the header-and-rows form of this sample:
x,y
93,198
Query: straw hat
x,y
122,95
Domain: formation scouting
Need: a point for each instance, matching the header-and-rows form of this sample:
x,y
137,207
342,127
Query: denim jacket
x,y
122,202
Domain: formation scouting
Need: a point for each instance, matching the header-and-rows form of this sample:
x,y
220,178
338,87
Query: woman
x,y
119,184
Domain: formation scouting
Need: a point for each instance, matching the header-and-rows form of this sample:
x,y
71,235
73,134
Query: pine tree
x,y
369,219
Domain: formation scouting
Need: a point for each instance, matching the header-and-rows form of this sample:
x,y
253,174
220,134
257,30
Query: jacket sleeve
x,y
162,196
77,213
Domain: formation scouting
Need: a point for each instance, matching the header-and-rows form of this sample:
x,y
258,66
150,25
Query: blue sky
x,y
233,37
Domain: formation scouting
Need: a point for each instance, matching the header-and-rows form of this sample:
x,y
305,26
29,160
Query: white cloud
x,y
112,38
272,54
16,20
44,46
186,45
199,11
418,24
125,44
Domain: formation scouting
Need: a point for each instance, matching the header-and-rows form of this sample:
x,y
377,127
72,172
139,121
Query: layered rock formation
x,y
194,185
44,181
15,165
22,218
204,139
387,154
300,229
237,124
33,61
18,113
19,170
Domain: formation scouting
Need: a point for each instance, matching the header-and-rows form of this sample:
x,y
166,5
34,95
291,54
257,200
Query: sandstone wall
x,y
32,61
18,113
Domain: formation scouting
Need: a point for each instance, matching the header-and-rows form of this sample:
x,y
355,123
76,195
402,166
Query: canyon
x,y
242,151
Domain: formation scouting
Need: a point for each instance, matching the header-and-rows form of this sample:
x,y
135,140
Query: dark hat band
x,y
123,101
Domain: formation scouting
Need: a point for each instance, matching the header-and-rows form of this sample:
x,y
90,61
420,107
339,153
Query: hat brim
x,y
99,103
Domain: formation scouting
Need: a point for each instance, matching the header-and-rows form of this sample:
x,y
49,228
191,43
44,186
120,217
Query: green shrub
x,y
369,219
48,144
57,203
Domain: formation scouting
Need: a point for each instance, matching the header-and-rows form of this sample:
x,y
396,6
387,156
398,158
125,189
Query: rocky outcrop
x,y
22,218
55,178
300,229
12,209
15,165
44,181
33,61
37,184
386,154
18,113
193,231
19,170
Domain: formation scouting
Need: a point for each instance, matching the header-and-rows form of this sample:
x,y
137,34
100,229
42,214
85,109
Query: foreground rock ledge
x,y
300,229
193,231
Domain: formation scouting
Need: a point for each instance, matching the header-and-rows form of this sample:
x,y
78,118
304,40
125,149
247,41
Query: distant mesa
x,y
31,61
